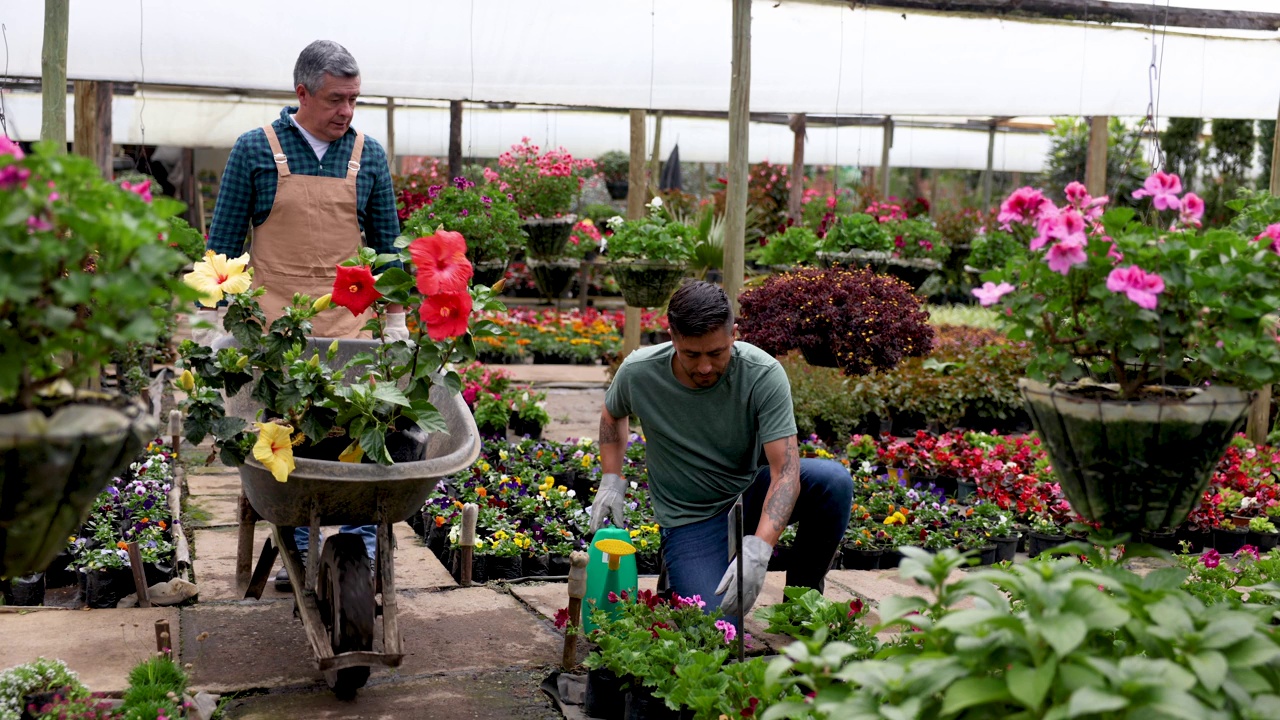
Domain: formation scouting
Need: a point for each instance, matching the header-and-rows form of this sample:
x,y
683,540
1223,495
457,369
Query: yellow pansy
x,y
274,449
215,275
896,519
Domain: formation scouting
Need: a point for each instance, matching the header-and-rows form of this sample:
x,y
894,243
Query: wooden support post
x,y
577,591
164,639
391,135
1260,412
797,123
93,123
139,575
455,138
391,640
989,176
1095,166
655,158
635,210
53,74
467,543
244,543
885,179
735,229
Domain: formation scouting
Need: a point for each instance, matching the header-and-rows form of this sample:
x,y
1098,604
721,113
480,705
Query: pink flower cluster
x,y
1163,189
884,211
1272,233
11,176
142,189
552,163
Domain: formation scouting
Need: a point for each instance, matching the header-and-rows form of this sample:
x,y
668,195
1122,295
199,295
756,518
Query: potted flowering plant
x,y
529,413
615,166
487,220
1154,331
649,256
838,317
86,273
543,186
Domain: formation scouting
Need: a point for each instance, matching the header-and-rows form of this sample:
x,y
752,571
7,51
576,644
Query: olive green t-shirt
x,y
702,445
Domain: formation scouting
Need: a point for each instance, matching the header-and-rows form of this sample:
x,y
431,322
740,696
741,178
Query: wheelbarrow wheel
x,y
344,592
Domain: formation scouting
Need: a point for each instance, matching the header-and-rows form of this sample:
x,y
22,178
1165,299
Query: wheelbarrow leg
x,y
315,548
387,586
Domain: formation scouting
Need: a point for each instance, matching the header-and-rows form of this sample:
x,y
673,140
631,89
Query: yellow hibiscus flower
x,y
274,449
215,275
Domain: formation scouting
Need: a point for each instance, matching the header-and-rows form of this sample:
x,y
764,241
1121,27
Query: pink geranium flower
x,y
1192,210
1066,224
11,176
990,293
1066,254
1163,189
1080,199
1140,286
1272,234
1211,558
142,189
1024,205
726,627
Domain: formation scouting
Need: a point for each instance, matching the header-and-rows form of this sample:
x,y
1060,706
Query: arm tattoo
x,y
609,432
785,489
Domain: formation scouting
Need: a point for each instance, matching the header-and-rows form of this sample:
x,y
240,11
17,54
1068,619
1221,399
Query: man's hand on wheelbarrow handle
x,y
610,500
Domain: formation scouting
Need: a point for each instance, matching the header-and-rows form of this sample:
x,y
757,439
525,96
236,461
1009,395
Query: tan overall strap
x,y
282,162
353,165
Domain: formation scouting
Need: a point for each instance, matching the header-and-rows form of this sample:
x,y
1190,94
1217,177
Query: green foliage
x,y
597,213
796,245
1051,639
804,613
974,316
1230,158
1181,144
85,271
1069,149
531,407
995,249
39,675
653,237
708,238
1255,210
614,165
491,411
858,231
1266,147
186,239
487,219
542,184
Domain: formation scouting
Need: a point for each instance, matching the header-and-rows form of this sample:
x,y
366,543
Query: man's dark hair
x,y
698,308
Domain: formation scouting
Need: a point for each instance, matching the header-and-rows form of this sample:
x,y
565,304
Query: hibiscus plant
x,y
1138,299
86,271
306,397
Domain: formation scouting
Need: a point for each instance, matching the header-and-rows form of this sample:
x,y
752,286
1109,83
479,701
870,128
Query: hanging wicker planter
x,y
553,276
647,283
548,236
488,272
1134,465
54,468
912,271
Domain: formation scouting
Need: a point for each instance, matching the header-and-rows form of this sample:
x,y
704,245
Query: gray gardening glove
x,y
212,317
610,499
395,329
755,561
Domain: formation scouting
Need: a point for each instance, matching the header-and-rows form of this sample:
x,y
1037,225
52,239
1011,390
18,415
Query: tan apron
x,y
313,226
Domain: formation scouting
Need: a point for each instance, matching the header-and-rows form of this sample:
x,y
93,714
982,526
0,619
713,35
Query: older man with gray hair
x,y
314,189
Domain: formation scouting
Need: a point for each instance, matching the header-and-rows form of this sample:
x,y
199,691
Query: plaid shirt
x,y
248,187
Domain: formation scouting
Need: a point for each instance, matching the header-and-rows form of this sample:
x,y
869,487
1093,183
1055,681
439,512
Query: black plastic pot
x,y
479,567
617,189
437,537
1229,540
1006,548
890,559
1264,541
502,568
521,427
987,554
1038,542
1166,540
25,591
60,573
647,563
419,527
1134,465
558,565
1197,539
156,573
534,565
640,704
966,489
605,698
104,588
861,558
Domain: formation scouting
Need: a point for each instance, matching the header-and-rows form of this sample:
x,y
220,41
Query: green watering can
x,y
611,568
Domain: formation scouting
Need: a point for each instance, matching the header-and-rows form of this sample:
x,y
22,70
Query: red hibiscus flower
x,y
441,260
353,289
445,314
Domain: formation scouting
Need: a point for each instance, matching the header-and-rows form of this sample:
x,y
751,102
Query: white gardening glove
x,y
395,328
212,317
755,561
610,499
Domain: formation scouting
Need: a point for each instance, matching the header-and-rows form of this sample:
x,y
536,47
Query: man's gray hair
x,y
320,58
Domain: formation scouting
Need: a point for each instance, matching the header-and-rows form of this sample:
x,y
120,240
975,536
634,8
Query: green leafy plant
x,y
858,231
86,271
994,249
654,237
614,165
531,407
488,220
804,612
797,245
491,412
1261,525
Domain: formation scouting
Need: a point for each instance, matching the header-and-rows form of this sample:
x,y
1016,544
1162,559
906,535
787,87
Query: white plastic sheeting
x,y
203,121
672,54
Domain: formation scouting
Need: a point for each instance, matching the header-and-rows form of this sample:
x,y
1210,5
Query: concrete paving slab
x,y
240,646
542,374
220,483
473,629
416,566
513,695
215,563
876,585
214,510
101,645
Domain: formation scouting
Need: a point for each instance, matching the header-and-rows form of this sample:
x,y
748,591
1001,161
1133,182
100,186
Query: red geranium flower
x,y
441,260
446,314
353,289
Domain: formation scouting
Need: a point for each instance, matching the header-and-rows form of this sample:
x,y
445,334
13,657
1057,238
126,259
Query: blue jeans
x,y
697,555
369,533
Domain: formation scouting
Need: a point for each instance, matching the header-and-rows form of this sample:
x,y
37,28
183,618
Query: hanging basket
x,y
489,272
54,468
553,277
645,283
548,236
912,271
1134,465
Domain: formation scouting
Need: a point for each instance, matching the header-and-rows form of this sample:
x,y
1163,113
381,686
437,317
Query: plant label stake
x,y
139,577
164,643
577,591
175,432
735,542
467,543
